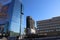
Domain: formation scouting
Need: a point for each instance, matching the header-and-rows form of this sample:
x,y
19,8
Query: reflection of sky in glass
x,y
5,1
9,11
15,24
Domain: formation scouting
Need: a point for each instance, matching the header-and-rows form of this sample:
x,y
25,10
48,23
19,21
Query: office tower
x,y
30,25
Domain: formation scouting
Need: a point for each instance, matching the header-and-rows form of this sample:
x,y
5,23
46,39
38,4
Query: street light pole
x,y
21,14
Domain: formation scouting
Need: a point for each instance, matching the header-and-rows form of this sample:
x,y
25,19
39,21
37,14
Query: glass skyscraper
x,y
6,11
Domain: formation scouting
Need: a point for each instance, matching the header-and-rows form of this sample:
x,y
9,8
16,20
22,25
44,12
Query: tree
x,y
25,30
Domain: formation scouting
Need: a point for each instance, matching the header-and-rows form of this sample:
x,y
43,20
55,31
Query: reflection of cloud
x,y
15,24
5,2
15,27
20,0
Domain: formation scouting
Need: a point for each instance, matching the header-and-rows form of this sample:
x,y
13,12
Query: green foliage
x,y
24,30
13,33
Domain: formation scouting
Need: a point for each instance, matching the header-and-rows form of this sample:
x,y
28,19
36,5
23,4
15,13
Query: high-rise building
x,y
30,22
6,11
49,26
30,25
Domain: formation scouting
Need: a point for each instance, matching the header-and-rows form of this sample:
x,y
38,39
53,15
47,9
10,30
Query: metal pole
x,y
21,13
20,23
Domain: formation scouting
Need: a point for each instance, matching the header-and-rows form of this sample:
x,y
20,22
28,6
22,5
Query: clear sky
x,y
37,9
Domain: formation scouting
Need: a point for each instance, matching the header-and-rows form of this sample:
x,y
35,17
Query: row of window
x,y
43,25
48,22
49,30
57,27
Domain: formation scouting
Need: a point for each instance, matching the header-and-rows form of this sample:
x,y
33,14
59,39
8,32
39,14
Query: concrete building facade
x,y
49,26
30,25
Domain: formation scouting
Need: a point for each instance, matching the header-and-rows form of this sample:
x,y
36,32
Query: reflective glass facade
x,y
6,11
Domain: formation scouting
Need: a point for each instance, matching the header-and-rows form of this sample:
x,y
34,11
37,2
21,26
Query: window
x,y
57,29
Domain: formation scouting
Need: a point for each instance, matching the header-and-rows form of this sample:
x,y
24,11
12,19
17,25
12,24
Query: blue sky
x,y
42,9
37,9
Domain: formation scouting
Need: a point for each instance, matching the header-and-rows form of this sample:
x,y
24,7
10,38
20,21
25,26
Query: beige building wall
x,y
49,26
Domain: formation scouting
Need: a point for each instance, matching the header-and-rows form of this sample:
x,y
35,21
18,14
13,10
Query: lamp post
x,y
19,37
21,14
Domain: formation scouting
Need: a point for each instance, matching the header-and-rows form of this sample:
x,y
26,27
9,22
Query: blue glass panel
x,y
6,11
